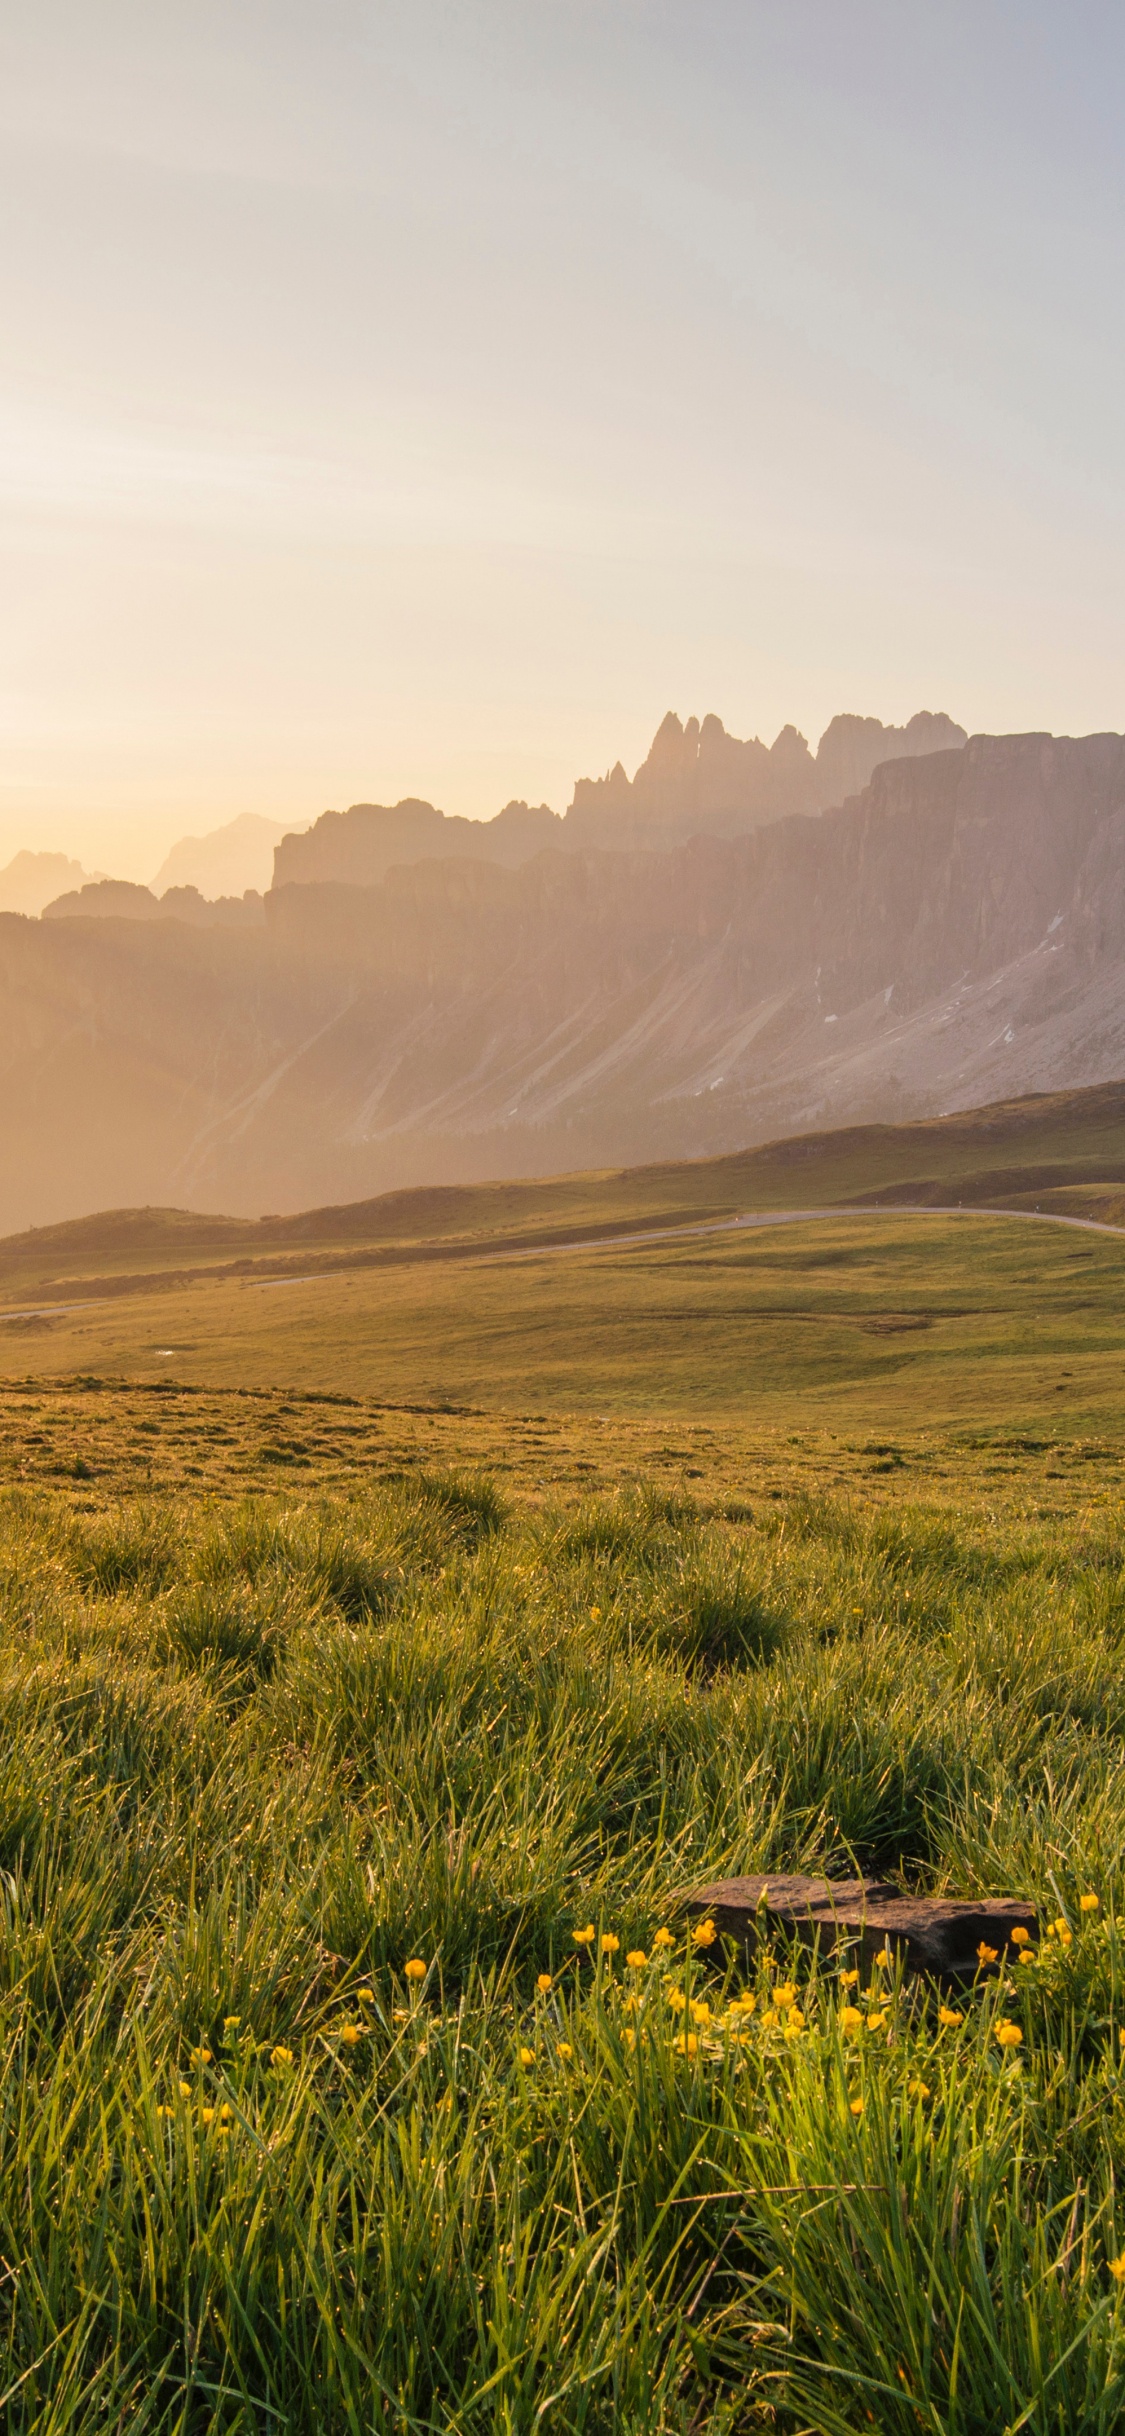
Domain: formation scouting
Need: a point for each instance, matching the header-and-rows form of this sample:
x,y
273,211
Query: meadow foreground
x,y
359,2070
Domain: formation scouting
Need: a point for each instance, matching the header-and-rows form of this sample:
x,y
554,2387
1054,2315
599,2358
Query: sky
x,y
424,398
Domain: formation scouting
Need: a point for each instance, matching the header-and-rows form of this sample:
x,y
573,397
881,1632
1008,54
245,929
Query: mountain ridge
x,y
951,935
695,779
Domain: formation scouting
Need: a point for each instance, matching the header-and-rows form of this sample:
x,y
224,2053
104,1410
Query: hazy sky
x,y
422,398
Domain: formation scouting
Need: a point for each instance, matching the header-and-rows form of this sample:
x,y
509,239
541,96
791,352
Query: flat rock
x,y
934,1934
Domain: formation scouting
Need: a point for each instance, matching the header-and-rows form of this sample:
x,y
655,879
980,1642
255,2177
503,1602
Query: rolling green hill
x,y
1015,1153
881,1319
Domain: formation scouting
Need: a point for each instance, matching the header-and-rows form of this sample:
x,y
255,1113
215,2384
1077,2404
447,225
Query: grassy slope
x,y
844,1322
1073,1141
260,1754
287,1699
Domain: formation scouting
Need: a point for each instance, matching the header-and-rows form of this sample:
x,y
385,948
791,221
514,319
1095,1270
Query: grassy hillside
x,y
263,1755
843,1322
1013,1152
456,1612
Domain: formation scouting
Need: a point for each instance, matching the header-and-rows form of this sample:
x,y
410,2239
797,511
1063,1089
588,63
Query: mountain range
x,y
225,863
950,933
695,779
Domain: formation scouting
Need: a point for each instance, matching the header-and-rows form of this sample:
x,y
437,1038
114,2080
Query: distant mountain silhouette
x,y
30,880
127,901
695,781
361,845
955,933
225,862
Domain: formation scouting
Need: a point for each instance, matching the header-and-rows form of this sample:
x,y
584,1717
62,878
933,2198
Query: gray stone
x,y
934,1934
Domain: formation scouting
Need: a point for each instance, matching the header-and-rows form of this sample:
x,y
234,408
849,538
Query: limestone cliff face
x,y
953,934
697,780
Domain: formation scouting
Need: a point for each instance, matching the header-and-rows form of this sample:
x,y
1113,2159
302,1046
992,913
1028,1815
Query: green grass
x,y
844,1323
262,1751
441,1609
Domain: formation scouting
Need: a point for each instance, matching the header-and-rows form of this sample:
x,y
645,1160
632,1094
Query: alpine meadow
x,y
363,2067
562,1218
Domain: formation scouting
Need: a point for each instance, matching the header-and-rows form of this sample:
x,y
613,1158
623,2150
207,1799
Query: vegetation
x,y
1062,1150
879,1324
382,1648
335,1820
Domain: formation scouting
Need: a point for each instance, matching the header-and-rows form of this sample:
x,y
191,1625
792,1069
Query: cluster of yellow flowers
x,y
1058,1936
780,2011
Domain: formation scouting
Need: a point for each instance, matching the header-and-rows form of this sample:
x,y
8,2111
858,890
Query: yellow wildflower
x,y
610,1944
1026,1954
185,2086
796,2018
1088,1903
366,1995
543,1982
948,2017
1021,1936
663,1937
746,2002
1117,2268
849,1979
527,2055
206,2114
769,2019
630,2037
225,2113
1009,2034
851,2020
687,2043
986,1953
637,1960
201,2055
564,2048
165,2110
677,1999
232,2021
351,2033
584,1936
399,2015
281,2055
700,2013
785,1995
704,1933
856,2107
883,1960
875,2021
918,2089
415,1969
